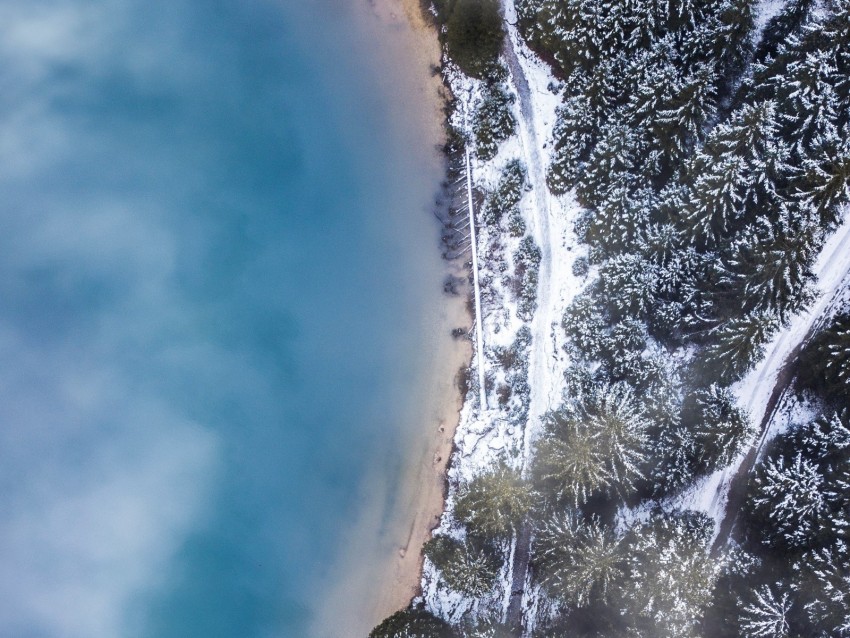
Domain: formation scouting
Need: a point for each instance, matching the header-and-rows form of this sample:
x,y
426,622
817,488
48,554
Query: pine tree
x,y
586,328
570,460
767,615
825,440
468,566
527,263
615,413
621,212
825,363
830,599
677,455
413,623
628,282
474,35
810,102
669,575
770,276
615,155
595,445
694,103
578,560
824,183
736,345
507,194
789,497
493,122
574,135
721,430
494,504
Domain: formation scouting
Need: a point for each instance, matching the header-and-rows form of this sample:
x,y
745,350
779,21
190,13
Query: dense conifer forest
x,y
710,154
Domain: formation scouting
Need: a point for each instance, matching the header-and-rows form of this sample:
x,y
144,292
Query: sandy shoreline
x,y
403,515
425,482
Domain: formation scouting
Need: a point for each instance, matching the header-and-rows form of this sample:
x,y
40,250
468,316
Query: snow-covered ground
x,y
486,438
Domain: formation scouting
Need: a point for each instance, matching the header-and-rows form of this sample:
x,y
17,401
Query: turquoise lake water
x,y
216,267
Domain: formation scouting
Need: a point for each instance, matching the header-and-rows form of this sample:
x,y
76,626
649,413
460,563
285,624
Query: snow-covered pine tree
x,y
628,283
615,412
595,445
825,363
507,194
578,560
694,103
721,430
829,604
494,504
469,566
586,328
570,463
735,345
575,132
492,121
622,210
788,496
669,575
824,440
810,104
824,182
766,615
614,156
770,276
413,623
527,263
716,202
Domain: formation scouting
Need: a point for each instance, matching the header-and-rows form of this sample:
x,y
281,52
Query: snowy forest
x,y
702,149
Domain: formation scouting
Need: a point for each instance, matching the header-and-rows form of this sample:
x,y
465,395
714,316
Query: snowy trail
x,y
760,391
544,378
543,347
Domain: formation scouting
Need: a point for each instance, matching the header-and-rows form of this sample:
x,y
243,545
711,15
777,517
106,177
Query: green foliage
x,y
578,560
594,446
508,192
788,496
825,362
474,35
468,566
413,623
527,259
492,121
494,504
669,575
736,345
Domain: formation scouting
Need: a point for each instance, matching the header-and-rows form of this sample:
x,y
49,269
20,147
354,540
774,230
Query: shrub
x,y
474,35
493,122
507,194
527,258
413,623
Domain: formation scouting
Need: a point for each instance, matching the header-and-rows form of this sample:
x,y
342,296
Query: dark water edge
x,y
219,273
